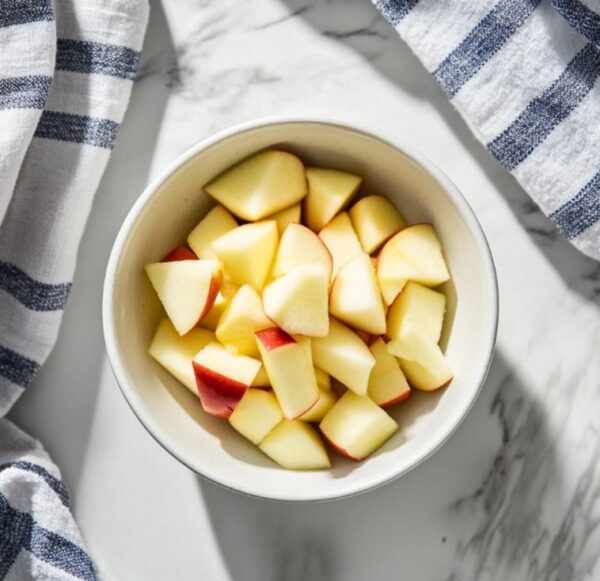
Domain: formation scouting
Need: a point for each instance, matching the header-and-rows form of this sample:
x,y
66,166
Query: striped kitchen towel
x,y
66,72
524,75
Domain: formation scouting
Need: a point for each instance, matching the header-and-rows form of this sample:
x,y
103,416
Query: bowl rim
x,y
373,131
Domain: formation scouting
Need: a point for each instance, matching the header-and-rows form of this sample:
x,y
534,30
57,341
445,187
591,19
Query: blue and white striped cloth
x,y
66,71
524,75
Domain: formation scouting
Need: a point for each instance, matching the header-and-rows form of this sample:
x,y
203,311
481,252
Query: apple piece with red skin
x,y
187,289
356,426
222,378
179,253
291,373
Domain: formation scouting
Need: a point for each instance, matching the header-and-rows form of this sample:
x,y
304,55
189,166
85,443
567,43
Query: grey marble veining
x,y
514,493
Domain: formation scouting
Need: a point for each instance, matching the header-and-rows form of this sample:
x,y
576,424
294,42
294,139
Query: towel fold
x,y
66,73
524,75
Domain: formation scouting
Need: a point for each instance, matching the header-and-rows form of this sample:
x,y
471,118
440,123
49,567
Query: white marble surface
x,y
513,495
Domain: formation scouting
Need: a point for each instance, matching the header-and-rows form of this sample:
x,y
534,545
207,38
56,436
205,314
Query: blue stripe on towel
x,y
545,112
77,129
23,11
17,368
19,531
54,483
485,40
28,92
79,56
581,211
395,10
35,295
580,17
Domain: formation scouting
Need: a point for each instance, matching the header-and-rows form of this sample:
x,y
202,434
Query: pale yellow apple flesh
x,y
247,252
355,297
375,219
298,301
175,353
187,289
329,190
260,185
387,384
284,218
316,413
295,445
343,355
256,414
261,379
323,379
299,247
216,223
290,372
341,240
356,426
241,319
211,319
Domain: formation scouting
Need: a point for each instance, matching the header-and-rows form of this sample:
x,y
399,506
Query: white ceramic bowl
x,y
169,208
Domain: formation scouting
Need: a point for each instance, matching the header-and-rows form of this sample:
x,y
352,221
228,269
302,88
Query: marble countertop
x,y
514,494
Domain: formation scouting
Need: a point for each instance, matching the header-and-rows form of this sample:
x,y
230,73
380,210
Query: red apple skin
x,y
274,338
218,394
179,253
401,397
340,451
213,291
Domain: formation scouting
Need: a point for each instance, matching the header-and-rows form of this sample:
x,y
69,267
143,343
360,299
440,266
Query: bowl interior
x,y
166,213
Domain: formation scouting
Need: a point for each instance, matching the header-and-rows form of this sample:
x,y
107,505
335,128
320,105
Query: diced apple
x,y
289,370
256,414
222,378
260,185
325,402
216,223
323,379
356,426
297,302
179,253
243,316
295,445
415,253
387,384
211,319
344,356
375,219
247,252
187,289
262,379
175,353
299,247
329,190
286,217
341,240
306,344
421,305
355,297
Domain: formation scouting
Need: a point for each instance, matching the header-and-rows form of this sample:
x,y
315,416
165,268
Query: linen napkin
x,y
523,74
66,72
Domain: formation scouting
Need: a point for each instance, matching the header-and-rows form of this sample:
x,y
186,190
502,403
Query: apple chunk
x,y
186,288
387,384
243,316
211,319
295,445
329,190
298,247
375,219
247,252
286,217
289,370
222,378
216,223
327,399
256,414
260,185
355,426
355,297
175,353
179,253
341,240
415,253
420,305
344,356
297,302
